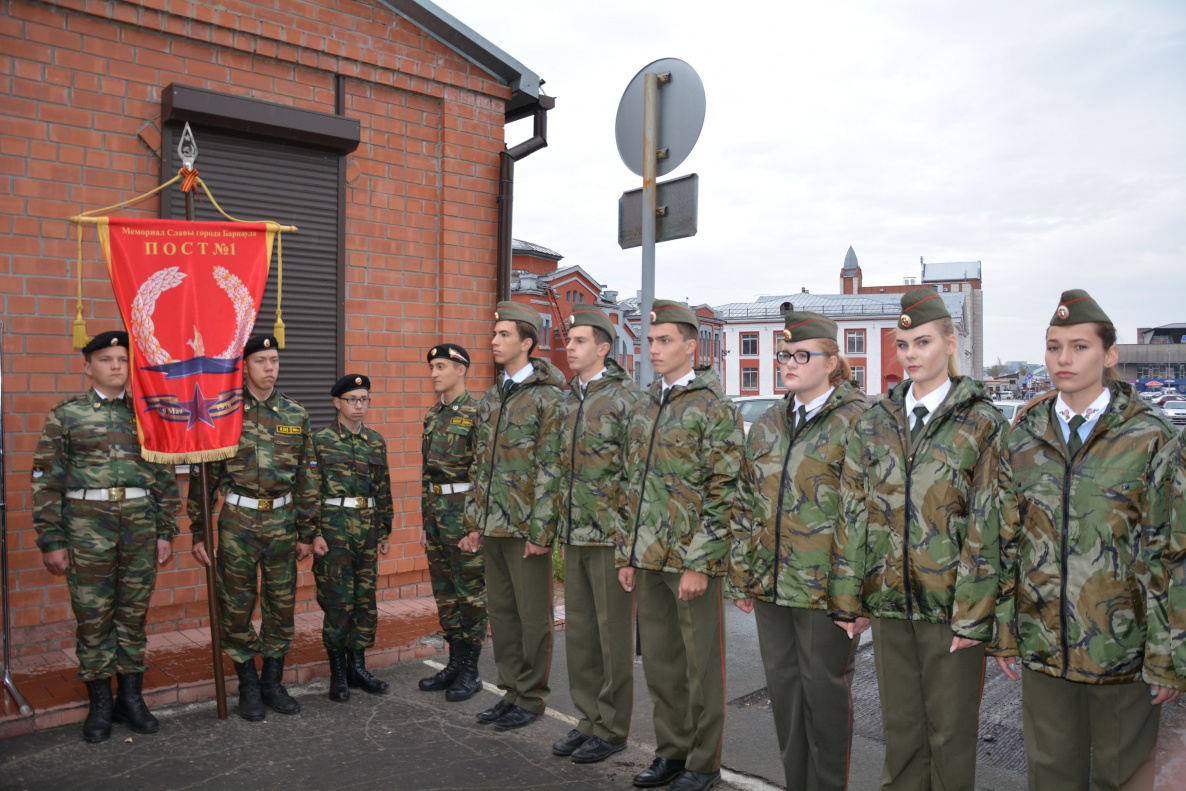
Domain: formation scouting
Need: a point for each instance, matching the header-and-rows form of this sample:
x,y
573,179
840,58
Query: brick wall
x,y
80,86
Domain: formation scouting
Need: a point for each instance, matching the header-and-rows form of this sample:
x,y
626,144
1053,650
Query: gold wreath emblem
x,y
496,315
1063,312
905,321
654,318
572,320
267,342
358,380
786,335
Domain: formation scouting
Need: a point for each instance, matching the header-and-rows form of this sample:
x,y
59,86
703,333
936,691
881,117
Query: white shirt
x,y
931,401
119,397
683,380
1092,413
813,406
584,386
519,376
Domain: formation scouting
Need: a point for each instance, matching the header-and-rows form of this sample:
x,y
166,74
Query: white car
x,y
753,407
1009,408
1175,412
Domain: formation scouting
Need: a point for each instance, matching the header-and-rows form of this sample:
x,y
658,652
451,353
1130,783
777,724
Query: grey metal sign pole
x,y
650,132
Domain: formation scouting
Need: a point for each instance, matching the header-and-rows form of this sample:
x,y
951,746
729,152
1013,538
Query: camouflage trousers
x,y
346,578
111,576
256,549
458,578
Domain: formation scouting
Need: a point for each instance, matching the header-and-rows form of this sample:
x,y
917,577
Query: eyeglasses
x,y
363,400
802,357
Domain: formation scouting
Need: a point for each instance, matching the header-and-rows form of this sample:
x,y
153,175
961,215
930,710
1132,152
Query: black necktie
x,y
797,421
920,412
506,386
1074,442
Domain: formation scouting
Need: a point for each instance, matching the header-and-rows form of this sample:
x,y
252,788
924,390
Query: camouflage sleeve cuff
x,y
1160,678
981,633
52,545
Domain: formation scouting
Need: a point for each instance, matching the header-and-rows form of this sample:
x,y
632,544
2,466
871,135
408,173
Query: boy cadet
x,y
269,520
104,517
458,581
685,453
599,615
356,514
512,509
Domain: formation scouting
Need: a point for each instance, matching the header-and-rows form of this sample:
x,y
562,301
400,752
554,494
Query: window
x,y
749,378
749,345
858,373
716,347
854,341
545,332
778,385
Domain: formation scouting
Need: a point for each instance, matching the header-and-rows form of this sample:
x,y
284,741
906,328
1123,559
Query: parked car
x,y
1164,397
752,407
1009,408
1175,411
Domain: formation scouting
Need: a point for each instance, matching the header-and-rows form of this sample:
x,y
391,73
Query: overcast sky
x,y
1045,140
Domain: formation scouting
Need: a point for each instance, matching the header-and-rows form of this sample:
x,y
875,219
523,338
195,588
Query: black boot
x,y
130,708
468,682
339,690
357,674
445,676
251,707
272,691
97,727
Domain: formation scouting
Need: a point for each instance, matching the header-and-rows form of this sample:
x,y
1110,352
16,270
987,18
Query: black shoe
x,y
445,676
97,727
130,707
661,772
595,749
339,689
251,706
357,674
494,712
573,740
468,682
515,718
272,692
695,781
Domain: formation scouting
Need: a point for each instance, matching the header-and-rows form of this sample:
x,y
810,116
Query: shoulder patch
x,y
38,471
461,421
288,429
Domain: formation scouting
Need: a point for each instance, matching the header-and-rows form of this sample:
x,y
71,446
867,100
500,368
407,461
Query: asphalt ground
x,y
413,741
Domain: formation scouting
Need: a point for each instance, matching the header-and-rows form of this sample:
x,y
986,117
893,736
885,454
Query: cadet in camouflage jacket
x,y
593,508
1083,589
1168,509
680,507
516,470
788,502
919,539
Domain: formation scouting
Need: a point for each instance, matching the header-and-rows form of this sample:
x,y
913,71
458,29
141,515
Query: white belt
x,y
262,504
450,488
108,495
351,502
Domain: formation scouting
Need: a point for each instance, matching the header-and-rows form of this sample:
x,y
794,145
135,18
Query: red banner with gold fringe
x,y
189,294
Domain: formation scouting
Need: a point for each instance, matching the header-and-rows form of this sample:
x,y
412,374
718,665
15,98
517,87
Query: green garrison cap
x,y
665,311
1077,307
588,317
804,325
921,305
513,311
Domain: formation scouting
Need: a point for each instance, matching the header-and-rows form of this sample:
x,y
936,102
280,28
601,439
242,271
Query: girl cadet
x,y
787,506
917,551
1082,594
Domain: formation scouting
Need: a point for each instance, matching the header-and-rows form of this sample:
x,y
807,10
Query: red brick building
x,y
377,128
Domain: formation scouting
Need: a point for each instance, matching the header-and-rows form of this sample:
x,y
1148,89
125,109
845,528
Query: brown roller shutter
x,y
256,178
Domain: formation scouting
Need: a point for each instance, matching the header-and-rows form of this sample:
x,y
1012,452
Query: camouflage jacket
x,y
920,530
592,458
1082,593
90,442
355,465
516,470
1168,515
788,502
275,457
682,463
448,444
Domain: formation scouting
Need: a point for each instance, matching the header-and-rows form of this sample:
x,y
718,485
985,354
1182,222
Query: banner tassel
x,y
81,338
278,327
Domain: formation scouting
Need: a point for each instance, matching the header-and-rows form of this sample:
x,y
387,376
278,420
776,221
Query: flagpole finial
x,y
187,148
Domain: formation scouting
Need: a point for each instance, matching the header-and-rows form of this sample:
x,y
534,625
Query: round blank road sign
x,y
681,115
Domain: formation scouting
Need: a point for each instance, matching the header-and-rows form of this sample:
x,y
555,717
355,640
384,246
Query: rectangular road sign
x,y
675,209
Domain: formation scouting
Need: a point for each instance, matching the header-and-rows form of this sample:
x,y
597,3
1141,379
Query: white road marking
x,y
738,781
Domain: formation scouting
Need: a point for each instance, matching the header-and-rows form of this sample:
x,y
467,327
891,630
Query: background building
x,y
866,317
1159,355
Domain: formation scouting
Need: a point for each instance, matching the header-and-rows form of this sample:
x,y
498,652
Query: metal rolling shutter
x,y
255,178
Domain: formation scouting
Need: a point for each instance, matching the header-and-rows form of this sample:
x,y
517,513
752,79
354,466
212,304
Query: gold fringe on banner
x,y
192,457
80,335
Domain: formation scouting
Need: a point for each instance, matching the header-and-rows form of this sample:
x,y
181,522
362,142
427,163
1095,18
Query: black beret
x,y
350,382
258,343
449,351
106,339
